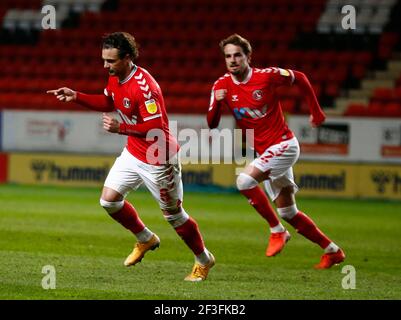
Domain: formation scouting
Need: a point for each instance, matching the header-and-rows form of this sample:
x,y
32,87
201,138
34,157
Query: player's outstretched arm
x,y
214,112
64,94
317,114
97,102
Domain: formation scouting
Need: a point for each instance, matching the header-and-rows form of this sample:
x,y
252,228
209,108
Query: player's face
x,y
237,62
116,66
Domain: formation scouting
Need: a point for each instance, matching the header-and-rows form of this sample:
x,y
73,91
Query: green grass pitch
x,y
66,228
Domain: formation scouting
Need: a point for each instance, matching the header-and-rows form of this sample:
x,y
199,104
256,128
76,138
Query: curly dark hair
x,y
236,40
124,42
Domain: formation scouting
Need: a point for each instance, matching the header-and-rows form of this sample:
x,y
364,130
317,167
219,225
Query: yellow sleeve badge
x,y
151,106
284,72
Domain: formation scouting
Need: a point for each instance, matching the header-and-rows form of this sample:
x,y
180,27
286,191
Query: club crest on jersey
x,y
234,98
151,106
126,103
257,95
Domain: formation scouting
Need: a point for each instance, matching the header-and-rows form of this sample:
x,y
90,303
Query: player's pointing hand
x,y
64,94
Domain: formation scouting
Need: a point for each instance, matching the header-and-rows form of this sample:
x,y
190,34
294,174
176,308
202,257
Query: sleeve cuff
x,y
78,96
123,128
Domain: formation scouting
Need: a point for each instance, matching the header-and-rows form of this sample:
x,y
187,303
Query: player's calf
x,y
187,229
124,213
248,187
304,225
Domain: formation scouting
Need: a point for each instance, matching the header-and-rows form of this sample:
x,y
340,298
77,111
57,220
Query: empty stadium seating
x,y
179,46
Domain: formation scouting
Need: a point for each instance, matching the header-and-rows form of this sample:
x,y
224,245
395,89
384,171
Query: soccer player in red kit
x,y
249,93
150,156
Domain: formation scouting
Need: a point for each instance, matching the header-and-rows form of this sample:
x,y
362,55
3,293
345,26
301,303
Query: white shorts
x,y
278,161
163,181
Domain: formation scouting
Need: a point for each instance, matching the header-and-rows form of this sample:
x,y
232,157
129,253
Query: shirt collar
x,y
248,77
130,75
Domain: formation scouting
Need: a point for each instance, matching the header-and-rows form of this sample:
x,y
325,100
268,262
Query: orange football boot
x,y
277,242
329,259
140,249
200,272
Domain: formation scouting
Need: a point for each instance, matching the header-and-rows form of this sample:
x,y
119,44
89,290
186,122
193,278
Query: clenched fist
x,y
220,94
110,124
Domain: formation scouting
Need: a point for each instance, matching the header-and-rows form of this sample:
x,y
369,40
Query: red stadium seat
x,y
358,70
375,109
383,94
356,109
182,50
397,94
332,89
392,110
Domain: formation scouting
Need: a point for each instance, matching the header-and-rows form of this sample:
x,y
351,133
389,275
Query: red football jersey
x,y
138,99
255,104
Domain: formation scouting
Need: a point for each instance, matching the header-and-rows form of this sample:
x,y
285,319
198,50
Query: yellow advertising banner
x,y
380,181
57,169
348,180
74,170
326,179
222,175
316,179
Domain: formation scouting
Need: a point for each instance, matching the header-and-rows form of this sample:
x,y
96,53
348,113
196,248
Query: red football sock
x,y
189,232
305,226
258,199
128,217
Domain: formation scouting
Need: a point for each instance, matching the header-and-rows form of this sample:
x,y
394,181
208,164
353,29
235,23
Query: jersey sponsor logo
x,y
234,98
126,103
249,113
257,95
151,106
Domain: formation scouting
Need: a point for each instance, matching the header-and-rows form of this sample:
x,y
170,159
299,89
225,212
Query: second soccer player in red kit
x,y
250,95
147,159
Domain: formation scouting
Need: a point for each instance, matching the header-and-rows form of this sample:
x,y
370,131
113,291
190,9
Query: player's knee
x,y
287,213
111,206
246,182
175,218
